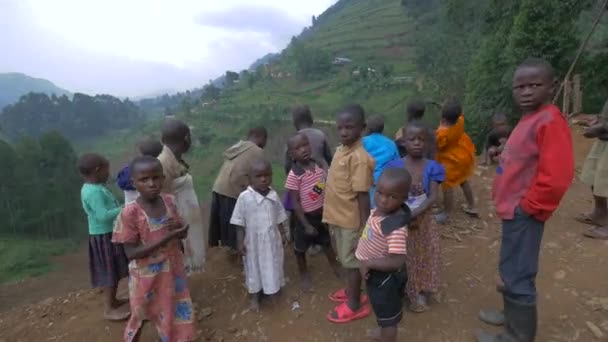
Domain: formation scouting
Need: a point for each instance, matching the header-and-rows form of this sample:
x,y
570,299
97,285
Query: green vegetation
x,y
14,85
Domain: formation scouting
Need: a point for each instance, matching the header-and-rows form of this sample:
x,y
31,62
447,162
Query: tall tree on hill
x,y
231,77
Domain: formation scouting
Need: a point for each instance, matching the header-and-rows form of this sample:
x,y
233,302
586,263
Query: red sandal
x,y
346,315
341,297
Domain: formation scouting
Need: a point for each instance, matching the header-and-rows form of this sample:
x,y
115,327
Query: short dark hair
x,y
258,132
451,110
174,131
301,115
88,162
150,147
143,160
398,174
375,123
535,62
293,137
415,109
356,111
258,164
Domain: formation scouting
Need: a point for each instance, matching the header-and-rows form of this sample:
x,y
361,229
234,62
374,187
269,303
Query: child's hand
x,y
593,131
310,230
182,232
242,249
172,223
363,269
284,239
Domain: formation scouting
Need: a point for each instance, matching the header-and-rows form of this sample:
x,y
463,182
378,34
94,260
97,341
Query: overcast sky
x,y
138,47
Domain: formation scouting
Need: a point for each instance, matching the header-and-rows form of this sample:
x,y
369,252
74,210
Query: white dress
x,y
261,216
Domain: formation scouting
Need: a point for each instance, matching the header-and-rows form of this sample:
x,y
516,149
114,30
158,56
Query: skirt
x,y
108,263
595,169
220,229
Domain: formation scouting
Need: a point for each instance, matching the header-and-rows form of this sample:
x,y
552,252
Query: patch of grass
x,y
23,258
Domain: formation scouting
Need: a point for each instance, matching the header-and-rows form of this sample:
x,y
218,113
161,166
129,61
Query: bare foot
x,y
306,283
118,314
118,302
254,304
374,335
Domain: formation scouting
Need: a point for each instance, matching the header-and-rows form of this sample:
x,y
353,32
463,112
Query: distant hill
x,y
268,58
13,85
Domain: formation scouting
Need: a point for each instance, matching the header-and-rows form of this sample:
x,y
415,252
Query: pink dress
x,y
158,291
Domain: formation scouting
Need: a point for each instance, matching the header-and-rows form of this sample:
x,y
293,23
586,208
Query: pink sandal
x,y
346,315
341,297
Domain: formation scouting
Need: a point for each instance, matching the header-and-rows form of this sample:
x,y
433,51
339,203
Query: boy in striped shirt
x,y
381,251
306,183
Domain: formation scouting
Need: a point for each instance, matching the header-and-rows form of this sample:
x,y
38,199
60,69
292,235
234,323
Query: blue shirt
x,y
382,149
433,172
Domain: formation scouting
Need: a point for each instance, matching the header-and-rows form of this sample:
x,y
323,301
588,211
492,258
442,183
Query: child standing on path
x,y
423,244
178,182
381,252
381,148
306,188
107,261
150,229
233,179
456,152
495,142
346,210
535,170
148,147
415,112
259,217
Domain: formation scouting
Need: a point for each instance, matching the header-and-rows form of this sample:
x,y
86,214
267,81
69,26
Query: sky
x,y
143,47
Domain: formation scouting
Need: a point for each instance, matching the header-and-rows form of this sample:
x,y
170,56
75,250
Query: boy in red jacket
x,y
535,170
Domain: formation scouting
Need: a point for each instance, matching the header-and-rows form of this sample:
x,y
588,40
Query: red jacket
x,y
536,166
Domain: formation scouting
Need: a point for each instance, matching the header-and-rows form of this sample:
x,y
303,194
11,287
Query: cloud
x,y
276,23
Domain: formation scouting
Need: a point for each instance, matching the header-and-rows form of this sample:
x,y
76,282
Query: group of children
x,y
369,206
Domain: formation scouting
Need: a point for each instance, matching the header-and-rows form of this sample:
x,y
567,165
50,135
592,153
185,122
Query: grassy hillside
x,y
14,85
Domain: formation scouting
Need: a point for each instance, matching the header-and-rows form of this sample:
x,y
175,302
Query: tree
x,y
231,77
210,92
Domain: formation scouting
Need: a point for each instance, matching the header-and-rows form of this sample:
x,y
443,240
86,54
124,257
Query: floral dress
x,y
158,291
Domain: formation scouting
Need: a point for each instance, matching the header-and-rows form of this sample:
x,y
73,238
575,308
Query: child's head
x,y
258,136
414,138
375,124
415,110
299,148
451,111
350,123
302,117
392,189
147,176
176,135
150,147
94,168
533,84
260,175
500,123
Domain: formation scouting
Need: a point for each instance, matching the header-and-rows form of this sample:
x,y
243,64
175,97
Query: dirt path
x,y
572,284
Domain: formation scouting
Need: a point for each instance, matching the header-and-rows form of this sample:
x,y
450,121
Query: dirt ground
x,y
573,293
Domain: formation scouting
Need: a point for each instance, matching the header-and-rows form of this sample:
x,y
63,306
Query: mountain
x,y
268,58
13,85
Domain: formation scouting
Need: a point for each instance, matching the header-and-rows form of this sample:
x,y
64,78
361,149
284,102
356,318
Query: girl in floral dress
x,y
151,231
423,250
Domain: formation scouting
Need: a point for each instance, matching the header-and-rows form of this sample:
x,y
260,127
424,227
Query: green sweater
x,y
101,208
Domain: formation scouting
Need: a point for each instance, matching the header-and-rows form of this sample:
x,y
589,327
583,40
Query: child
x,y
381,148
535,170
178,182
150,230
258,214
305,184
147,147
496,139
303,122
381,251
107,261
415,112
456,153
233,179
424,251
346,210
594,174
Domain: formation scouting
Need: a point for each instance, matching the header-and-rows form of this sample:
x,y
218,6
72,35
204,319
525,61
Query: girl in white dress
x,y
259,214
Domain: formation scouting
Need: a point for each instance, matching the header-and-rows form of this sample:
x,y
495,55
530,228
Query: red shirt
x,y
309,184
536,166
373,244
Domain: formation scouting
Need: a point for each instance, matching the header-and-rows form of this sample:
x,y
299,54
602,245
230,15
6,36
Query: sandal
x,y
345,315
599,233
341,297
470,211
585,218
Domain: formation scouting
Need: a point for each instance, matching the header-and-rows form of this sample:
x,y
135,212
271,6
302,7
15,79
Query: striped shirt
x,y
373,244
310,184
